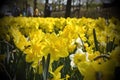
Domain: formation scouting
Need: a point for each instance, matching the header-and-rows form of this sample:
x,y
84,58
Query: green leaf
x,y
95,40
110,46
45,66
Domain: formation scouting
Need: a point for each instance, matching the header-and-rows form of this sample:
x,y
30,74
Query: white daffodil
x,y
79,42
79,50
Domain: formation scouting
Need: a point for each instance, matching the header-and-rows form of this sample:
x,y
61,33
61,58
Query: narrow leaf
x,y
95,40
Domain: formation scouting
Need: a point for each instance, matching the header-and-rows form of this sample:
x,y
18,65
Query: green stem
x,y
95,40
45,66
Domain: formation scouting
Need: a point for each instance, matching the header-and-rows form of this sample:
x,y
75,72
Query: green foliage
x,y
45,64
95,40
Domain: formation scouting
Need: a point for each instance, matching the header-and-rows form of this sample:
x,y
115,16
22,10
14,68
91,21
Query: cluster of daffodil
x,y
38,37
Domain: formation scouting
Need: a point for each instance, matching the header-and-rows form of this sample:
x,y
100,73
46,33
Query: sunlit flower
x,y
79,58
56,74
71,37
19,39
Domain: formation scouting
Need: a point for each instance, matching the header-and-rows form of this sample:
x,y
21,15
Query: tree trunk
x,y
35,4
45,11
68,8
79,8
59,4
47,1
73,4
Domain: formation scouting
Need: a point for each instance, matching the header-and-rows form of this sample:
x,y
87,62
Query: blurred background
x,y
66,8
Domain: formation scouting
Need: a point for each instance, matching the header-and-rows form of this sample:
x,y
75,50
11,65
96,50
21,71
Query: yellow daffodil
x,y
79,58
92,56
115,55
105,68
19,39
87,70
56,74
37,37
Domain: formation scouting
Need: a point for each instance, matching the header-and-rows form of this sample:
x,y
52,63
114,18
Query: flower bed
x,y
59,48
